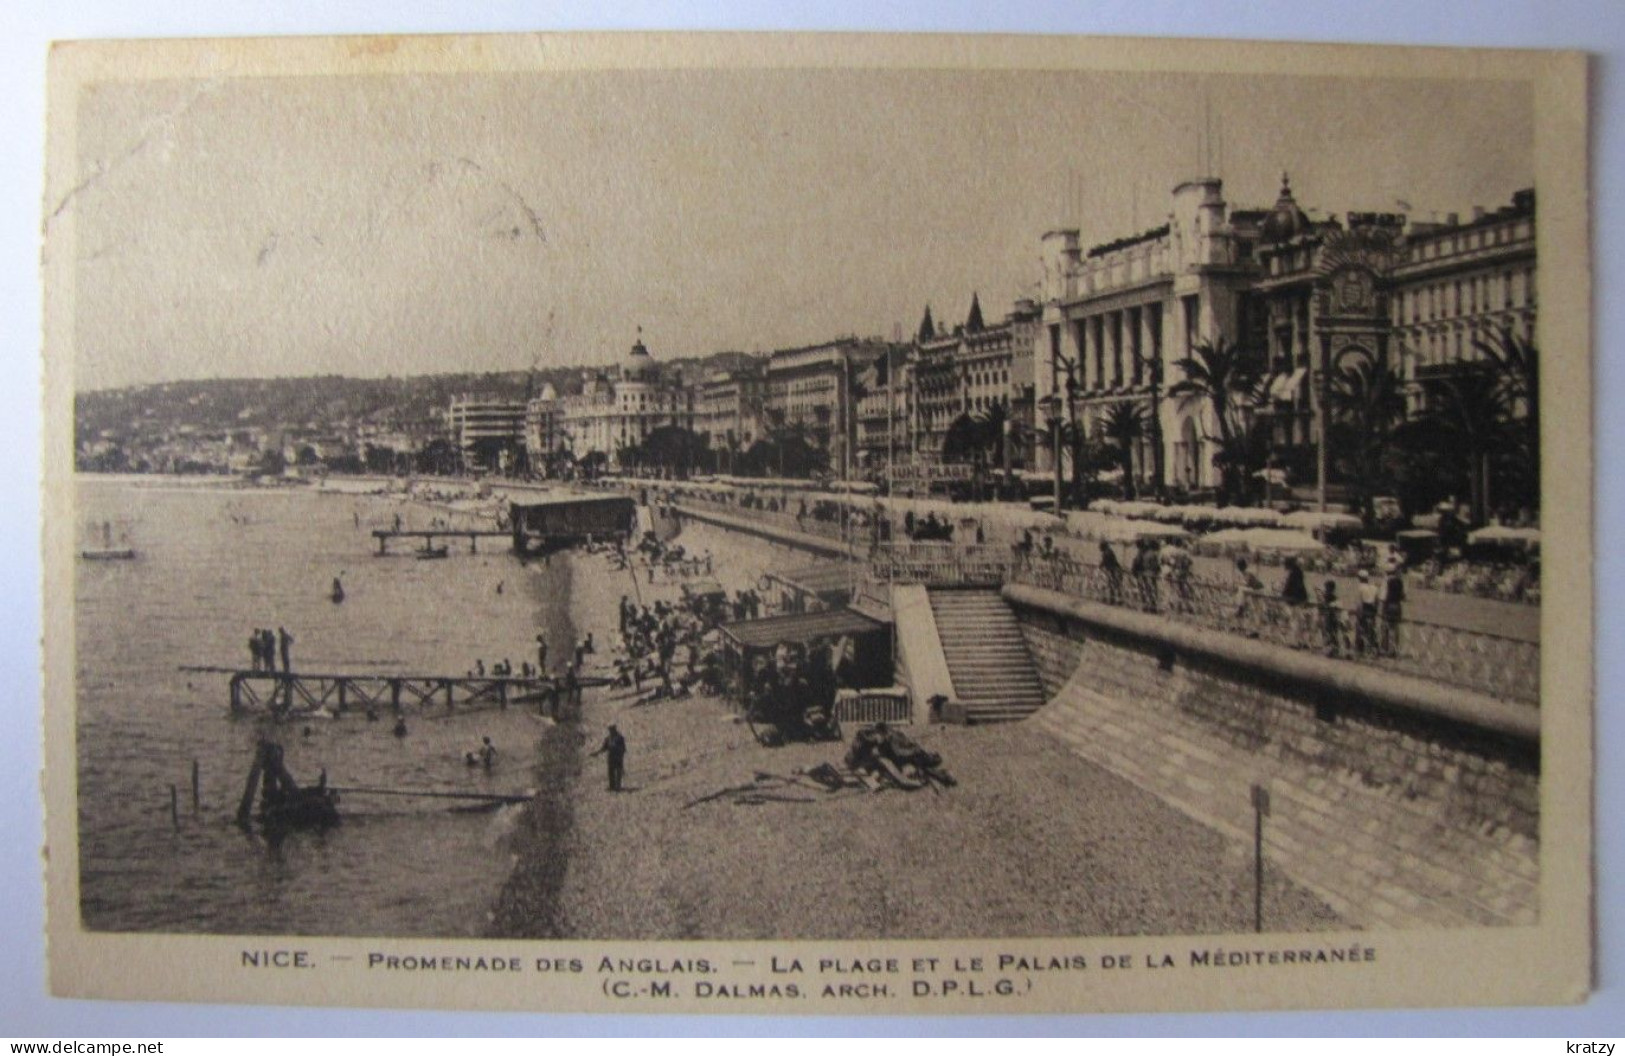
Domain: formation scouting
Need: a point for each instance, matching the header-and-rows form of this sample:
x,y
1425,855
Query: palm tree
x,y
1225,376
1089,457
991,427
1515,363
1364,393
1124,426
1469,416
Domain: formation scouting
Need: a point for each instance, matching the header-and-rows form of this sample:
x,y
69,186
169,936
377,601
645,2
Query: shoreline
x,y
527,907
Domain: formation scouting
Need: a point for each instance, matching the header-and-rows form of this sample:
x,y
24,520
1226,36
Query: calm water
x,y
213,564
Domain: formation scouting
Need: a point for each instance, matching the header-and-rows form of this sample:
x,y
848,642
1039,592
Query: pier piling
x,y
174,806
196,796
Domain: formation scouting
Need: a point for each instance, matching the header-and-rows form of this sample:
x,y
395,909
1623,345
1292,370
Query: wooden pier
x,y
303,693
430,535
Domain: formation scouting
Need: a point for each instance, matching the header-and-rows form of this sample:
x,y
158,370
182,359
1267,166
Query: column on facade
x,y
1134,324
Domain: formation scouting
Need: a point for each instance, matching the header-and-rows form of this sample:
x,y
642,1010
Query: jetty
x,y
293,694
430,536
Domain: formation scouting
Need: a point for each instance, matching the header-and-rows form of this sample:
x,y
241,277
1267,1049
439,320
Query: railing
x,y
867,706
858,531
1503,667
1492,664
942,564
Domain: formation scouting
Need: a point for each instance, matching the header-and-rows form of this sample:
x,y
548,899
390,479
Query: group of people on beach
x,y
264,646
653,635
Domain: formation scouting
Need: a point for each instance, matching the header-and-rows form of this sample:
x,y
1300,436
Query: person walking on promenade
x,y
1248,588
1295,592
541,652
1145,567
285,643
1365,615
1331,618
1113,571
614,748
1393,607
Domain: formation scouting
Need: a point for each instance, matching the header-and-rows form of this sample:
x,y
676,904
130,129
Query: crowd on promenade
x,y
1307,604
1159,578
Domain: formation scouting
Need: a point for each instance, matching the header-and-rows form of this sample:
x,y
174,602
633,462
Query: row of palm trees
x,y
1472,429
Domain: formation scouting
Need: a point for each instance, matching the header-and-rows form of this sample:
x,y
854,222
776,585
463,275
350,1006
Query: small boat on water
x,y
430,553
283,804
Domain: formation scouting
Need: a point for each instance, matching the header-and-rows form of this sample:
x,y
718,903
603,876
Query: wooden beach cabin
x,y
546,525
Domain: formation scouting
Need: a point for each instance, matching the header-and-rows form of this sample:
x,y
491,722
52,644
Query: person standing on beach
x,y
614,749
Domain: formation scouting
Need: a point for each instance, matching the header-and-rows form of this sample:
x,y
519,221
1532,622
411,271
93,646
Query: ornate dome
x,y
638,365
1286,221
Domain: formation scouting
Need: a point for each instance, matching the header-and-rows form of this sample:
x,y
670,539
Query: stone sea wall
x,y
1399,803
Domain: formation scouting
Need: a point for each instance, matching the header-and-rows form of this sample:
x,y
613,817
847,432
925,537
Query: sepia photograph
x,y
817,524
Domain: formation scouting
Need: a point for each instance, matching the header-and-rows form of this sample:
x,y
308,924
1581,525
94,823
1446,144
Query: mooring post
x,y
381,538
196,796
473,543
175,806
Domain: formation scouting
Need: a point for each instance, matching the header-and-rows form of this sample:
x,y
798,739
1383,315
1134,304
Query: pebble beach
x,y
713,837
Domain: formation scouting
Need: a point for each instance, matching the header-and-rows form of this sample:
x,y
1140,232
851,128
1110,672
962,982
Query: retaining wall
x,y
1402,803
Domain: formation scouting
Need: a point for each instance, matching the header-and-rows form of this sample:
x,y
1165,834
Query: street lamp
x,y
1152,365
1070,368
1052,414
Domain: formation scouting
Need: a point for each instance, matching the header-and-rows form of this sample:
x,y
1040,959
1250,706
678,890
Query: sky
x,y
422,224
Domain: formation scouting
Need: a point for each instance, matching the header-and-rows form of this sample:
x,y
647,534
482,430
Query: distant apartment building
x,y
1457,284
885,402
488,432
976,371
811,388
728,409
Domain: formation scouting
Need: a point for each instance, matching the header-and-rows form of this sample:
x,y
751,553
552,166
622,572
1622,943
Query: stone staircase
x,y
993,673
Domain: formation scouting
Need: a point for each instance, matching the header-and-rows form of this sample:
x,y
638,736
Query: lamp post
x,y
1153,368
1052,414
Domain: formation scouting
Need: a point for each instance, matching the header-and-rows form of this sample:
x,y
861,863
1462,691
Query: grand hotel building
x,y
1300,293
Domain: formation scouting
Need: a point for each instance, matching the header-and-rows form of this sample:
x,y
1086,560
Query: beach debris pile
x,y
891,757
765,787
880,758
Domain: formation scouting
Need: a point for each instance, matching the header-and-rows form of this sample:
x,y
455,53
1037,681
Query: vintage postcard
x,y
817,524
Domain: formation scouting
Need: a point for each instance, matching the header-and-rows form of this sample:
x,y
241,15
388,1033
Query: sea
x,y
215,561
